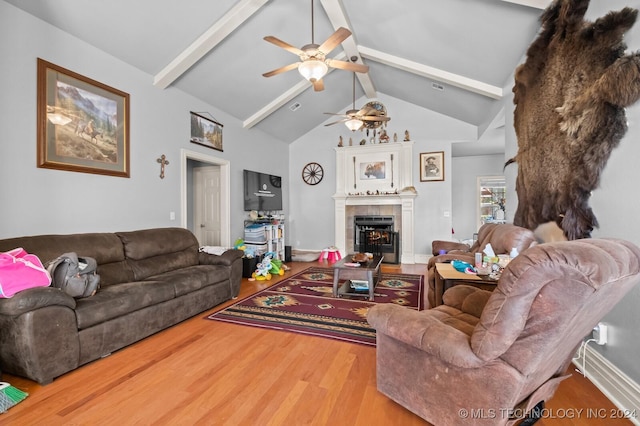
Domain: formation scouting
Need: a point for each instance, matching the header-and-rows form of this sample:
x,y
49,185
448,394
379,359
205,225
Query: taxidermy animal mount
x,y
570,96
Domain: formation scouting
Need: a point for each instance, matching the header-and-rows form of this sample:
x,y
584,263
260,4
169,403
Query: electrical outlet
x,y
600,333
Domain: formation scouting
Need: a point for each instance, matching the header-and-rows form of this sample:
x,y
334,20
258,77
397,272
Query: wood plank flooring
x,y
204,372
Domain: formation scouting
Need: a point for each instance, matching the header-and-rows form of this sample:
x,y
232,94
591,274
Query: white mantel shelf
x,y
394,181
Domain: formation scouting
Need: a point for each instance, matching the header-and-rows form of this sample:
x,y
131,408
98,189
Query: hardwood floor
x,y
212,373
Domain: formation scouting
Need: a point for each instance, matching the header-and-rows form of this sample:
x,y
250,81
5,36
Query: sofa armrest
x,y
227,258
452,255
35,298
438,245
424,331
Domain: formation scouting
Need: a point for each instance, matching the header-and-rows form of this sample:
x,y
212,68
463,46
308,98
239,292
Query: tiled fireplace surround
x,y
392,195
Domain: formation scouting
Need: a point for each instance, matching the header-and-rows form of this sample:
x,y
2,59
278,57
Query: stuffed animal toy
x,y
263,269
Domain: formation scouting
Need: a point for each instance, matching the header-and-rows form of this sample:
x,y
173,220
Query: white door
x,y
207,205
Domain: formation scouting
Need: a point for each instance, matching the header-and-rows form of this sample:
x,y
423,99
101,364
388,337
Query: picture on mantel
x,y
372,170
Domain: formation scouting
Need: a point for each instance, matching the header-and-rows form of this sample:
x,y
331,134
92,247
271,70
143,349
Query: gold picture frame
x,y
432,166
83,125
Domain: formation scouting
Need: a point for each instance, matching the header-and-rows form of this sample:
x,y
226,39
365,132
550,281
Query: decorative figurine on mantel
x,y
395,137
363,141
384,138
340,142
406,136
350,142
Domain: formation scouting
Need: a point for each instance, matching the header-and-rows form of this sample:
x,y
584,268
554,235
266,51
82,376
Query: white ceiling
x,y
214,50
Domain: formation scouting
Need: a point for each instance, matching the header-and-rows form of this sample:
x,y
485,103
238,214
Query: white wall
x,y
36,201
311,220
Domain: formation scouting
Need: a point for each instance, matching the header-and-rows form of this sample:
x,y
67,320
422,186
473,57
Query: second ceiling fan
x,y
370,116
314,63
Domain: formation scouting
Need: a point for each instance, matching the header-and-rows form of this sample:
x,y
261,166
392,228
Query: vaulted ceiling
x,y
450,56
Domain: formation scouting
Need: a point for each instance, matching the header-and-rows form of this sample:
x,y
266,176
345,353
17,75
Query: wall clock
x,y
312,173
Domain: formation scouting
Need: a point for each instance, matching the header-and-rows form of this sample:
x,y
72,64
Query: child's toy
x,y
331,254
239,244
263,269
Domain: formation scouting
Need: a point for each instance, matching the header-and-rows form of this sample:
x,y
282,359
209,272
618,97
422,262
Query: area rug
x,y
303,303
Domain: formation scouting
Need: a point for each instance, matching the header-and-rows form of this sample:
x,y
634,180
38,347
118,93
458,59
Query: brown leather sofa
x,y
150,280
503,238
486,358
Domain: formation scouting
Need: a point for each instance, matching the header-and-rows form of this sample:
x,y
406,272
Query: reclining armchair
x,y
483,357
503,238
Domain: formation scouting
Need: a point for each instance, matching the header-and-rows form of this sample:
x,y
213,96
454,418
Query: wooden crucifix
x,y
163,162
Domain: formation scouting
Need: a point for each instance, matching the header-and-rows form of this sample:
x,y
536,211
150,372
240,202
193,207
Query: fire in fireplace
x,y
375,234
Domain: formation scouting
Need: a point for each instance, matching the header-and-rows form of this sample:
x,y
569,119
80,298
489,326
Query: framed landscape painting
x,y
83,125
206,131
431,166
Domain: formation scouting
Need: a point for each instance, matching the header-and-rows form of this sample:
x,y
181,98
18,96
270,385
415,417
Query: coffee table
x,y
364,272
447,276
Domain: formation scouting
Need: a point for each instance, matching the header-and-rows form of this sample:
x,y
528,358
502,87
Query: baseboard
x,y
612,382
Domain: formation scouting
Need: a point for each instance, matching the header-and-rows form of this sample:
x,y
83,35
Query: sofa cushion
x,y
193,278
121,299
155,251
105,248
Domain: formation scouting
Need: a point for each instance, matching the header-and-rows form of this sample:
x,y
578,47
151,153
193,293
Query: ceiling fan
x,y
371,116
313,63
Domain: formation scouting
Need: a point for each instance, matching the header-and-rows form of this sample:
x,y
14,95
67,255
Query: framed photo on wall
x,y
83,125
206,131
431,166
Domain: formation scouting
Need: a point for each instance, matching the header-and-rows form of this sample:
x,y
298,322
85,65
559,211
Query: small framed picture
x,y
372,170
206,131
83,125
431,166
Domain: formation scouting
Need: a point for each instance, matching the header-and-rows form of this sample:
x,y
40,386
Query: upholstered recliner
x,y
483,356
503,238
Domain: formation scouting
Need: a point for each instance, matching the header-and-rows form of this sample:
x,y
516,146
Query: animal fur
x,y
570,96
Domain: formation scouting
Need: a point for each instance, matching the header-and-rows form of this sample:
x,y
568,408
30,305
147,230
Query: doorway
x,y
491,199
205,198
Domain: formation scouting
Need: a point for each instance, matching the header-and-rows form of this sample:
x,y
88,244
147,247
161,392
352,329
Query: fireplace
x,y
375,234
391,194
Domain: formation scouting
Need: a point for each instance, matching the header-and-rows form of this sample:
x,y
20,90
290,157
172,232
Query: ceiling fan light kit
x,y
353,124
313,69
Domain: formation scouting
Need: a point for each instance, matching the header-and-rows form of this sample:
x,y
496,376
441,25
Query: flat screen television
x,y
262,191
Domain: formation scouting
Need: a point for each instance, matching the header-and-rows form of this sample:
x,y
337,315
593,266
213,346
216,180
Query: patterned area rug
x,y
303,304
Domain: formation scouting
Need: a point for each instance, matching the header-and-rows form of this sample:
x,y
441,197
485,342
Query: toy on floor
x,y
330,254
269,267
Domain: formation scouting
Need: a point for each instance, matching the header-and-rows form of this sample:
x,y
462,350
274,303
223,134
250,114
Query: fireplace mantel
x,y
378,174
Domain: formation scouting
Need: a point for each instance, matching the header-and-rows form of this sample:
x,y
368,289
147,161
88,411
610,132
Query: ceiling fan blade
x,y
335,39
336,113
318,85
374,118
336,122
281,69
349,66
286,46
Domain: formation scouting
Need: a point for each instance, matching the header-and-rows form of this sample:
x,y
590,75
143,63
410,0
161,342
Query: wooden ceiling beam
x,y
242,11
462,82
538,4
338,17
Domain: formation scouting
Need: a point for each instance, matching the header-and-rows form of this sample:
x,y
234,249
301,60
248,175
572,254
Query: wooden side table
x,y
447,276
